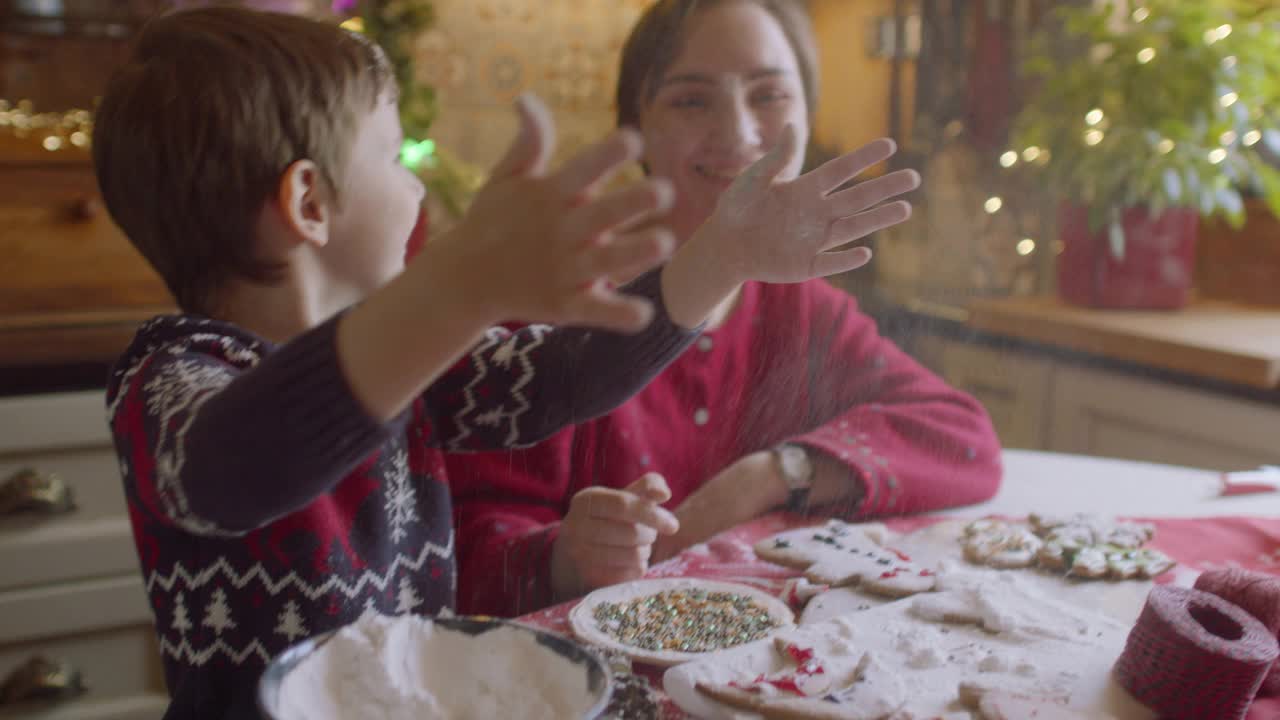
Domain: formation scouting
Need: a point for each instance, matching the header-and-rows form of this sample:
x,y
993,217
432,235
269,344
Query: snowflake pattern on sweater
x,y
226,600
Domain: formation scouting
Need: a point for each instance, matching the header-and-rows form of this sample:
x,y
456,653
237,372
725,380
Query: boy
x,y
281,441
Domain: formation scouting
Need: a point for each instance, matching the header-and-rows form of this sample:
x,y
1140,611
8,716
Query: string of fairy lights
x,y
1095,125
1008,160
391,23
72,130
53,131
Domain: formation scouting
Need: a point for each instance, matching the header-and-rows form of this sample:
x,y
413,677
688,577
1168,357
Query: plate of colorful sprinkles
x,y
668,621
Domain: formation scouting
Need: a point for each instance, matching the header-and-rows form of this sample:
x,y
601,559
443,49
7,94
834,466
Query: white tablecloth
x,y
1037,481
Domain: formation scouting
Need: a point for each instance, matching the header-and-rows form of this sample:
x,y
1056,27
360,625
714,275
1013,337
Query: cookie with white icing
x,y
797,592
994,703
1081,546
1146,563
796,548
806,690
999,605
840,553
1000,544
1081,529
1109,562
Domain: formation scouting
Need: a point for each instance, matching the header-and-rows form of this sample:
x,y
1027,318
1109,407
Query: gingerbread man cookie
x,y
841,553
809,688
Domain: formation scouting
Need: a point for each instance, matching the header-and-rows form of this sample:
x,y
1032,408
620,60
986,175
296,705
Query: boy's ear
x,y
303,201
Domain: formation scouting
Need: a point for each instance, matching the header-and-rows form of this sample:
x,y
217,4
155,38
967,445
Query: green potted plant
x,y
395,25
1158,113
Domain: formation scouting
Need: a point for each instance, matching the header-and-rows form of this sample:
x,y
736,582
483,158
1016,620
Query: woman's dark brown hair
x,y
658,37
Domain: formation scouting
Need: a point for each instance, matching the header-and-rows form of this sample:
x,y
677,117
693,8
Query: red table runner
x,y
1198,544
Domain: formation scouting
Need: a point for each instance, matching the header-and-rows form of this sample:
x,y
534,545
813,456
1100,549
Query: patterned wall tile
x,y
482,53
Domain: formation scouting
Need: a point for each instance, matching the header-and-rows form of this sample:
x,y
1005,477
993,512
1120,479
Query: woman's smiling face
x,y
722,105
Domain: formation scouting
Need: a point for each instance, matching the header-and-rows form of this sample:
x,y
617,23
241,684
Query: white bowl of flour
x,y
414,668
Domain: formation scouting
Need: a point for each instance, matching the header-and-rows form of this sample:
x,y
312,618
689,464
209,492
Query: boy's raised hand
x,y
544,244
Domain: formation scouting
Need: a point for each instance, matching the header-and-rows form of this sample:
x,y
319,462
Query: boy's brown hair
x,y
195,131
658,38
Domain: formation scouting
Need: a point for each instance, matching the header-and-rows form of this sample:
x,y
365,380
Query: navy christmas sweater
x,y
267,506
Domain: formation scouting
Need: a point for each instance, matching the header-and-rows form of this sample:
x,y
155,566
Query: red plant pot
x,y
1156,270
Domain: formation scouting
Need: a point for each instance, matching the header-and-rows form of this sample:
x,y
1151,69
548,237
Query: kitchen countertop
x,y
51,339
1219,340
1216,343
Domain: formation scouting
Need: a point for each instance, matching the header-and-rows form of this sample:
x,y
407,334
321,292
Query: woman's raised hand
x,y
787,231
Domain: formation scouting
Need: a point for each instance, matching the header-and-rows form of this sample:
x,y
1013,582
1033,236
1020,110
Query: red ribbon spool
x,y
1194,656
1259,594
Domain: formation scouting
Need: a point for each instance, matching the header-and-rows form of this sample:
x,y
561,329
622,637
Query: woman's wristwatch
x,y
797,471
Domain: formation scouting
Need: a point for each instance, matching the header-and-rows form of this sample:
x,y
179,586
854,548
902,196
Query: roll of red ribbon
x,y
1194,656
1259,594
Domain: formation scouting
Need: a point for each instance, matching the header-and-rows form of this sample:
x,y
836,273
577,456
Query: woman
x,y
790,399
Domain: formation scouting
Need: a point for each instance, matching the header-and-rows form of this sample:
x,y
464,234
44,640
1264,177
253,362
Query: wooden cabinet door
x,y
1096,412
60,251
1012,386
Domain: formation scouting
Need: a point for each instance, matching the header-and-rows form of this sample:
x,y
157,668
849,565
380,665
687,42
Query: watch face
x,y
795,465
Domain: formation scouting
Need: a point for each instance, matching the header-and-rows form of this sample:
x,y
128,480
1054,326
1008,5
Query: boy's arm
x,y
535,247
517,388
221,448
243,447
247,447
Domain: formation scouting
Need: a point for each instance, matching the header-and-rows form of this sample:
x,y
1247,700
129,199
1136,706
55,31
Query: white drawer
x,y
93,539
69,582
61,420
147,706
120,668
74,607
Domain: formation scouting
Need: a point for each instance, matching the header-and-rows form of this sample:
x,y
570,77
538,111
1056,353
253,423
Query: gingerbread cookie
x,y
1000,544
1080,530
805,690
1081,546
840,553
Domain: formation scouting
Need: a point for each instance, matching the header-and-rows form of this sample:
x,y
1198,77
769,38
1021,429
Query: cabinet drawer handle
x,y
85,209
30,490
41,679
